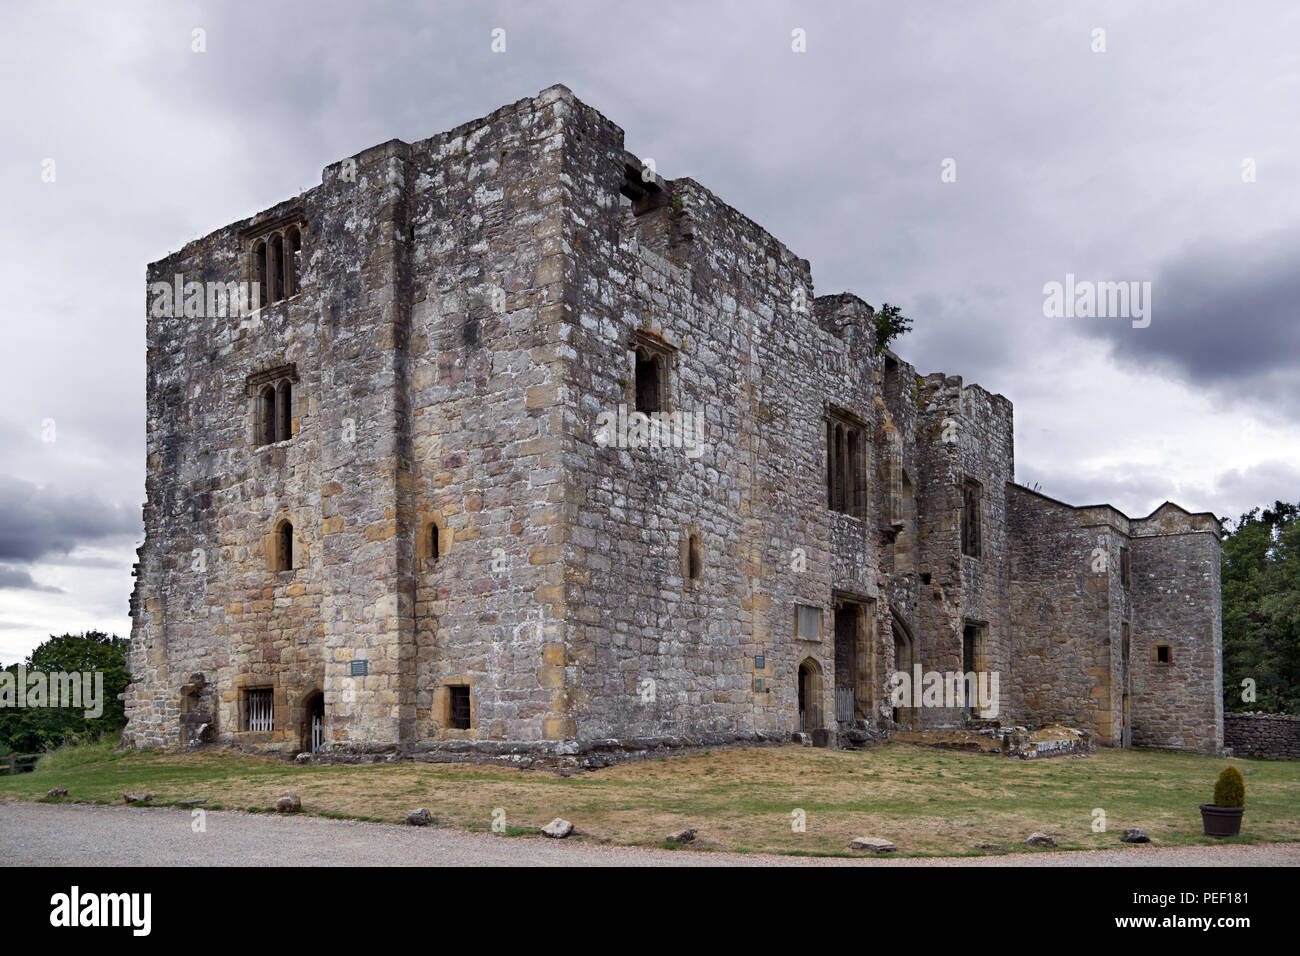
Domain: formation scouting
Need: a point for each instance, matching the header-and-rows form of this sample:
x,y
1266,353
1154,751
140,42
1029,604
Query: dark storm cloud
x,y
1225,316
36,522
19,579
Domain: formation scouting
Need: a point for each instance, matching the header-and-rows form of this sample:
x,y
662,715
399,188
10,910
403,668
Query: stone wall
x,y
473,311
1265,736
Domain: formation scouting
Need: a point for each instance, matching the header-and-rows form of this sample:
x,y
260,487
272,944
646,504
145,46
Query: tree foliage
x,y
890,324
36,729
1261,609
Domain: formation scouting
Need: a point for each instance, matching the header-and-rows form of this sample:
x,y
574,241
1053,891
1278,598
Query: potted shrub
x,y
1223,816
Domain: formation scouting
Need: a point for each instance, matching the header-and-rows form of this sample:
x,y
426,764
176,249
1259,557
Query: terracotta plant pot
x,y
1221,821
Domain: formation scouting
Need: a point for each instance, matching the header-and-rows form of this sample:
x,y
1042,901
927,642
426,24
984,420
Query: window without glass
x,y
971,543
846,487
459,703
259,709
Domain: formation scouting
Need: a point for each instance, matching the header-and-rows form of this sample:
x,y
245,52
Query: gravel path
x,y
69,834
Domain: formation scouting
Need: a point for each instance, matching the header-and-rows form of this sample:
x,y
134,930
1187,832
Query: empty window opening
x,y
459,703
266,416
259,271
259,709
275,268
971,544
1164,654
292,252
1125,568
649,381
694,558
282,557
845,471
433,541
283,411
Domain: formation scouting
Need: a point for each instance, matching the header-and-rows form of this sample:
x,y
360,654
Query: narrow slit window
x,y
292,250
284,411
971,544
266,416
275,268
259,271
284,547
694,558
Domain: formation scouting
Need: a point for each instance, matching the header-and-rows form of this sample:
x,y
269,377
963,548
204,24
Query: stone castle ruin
x,y
521,449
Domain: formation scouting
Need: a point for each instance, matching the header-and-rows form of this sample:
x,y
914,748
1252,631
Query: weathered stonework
x,y
391,499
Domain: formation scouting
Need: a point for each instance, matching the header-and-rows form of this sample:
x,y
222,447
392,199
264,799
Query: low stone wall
x,y
1265,736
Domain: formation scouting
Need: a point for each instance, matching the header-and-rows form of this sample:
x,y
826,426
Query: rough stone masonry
x,y
524,449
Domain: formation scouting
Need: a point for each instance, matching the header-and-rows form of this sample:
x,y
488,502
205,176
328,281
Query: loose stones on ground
x,y
873,845
289,802
1040,839
420,818
1134,835
558,828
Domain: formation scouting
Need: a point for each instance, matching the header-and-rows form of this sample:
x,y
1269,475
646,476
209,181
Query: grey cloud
x,y
19,579
37,521
1225,315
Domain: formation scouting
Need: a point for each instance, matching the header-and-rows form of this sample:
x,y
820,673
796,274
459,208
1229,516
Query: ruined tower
x,y
522,448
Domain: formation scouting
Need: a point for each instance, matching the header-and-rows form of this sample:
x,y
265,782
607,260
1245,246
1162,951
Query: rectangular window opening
x,y
259,709
460,712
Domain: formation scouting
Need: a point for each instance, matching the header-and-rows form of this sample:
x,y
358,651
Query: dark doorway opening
x,y
314,723
968,638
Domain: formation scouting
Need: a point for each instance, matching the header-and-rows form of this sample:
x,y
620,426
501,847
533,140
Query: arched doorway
x,y
904,661
810,696
313,731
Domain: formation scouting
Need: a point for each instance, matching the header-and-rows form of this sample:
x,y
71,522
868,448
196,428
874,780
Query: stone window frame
x,y
442,706
972,532
847,451
692,546
245,709
272,256
271,424
277,562
424,542
1169,655
658,349
1125,567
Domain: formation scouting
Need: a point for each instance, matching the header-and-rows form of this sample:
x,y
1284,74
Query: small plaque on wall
x,y
360,668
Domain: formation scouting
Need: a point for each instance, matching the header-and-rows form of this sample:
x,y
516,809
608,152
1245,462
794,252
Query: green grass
x,y
926,801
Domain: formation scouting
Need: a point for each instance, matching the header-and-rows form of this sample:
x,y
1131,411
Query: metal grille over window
x,y
260,709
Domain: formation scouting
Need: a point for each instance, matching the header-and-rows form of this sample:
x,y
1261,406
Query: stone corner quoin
x,y
405,501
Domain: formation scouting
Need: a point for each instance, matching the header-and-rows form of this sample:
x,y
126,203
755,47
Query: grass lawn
x,y
926,801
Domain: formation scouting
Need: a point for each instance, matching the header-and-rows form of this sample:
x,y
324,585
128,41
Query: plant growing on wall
x,y
890,324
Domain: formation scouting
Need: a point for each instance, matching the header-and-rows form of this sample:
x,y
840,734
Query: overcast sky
x,y
1123,165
